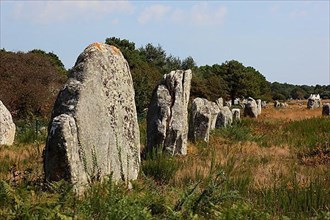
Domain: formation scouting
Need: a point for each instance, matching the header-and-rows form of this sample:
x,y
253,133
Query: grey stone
x,y
225,117
277,104
94,129
167,117
236,112
214,109
263,104
251,108
314,101
7,126
200,123
219,102
258,101
326,109
227,103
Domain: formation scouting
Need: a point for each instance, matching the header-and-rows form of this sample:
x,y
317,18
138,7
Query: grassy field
x,y
274,167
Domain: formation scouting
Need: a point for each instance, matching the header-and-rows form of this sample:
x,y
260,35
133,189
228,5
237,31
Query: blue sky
x,y
287,41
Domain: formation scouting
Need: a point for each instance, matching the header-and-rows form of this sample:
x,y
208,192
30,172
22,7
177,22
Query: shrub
x,y
160,166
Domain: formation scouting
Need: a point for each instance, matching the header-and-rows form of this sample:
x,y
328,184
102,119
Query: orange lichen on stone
x,y
115,50
96,44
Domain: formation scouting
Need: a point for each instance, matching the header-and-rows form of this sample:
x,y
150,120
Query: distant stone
x,y
214,109
200,123
258,101
277,104
251,108
283,105
225,117
219,102
94,130
236,112
263,104
326,109
227,103
314,101
7,126
167,117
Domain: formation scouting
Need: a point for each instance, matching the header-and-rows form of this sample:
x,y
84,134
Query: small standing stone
x,y
7,126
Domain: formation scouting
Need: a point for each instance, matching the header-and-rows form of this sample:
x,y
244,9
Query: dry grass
x,y
21,160
266,165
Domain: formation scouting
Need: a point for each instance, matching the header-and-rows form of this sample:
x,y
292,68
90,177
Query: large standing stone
x,y
200,123
225,117
326,109
251,108
167,117
7,126
94,130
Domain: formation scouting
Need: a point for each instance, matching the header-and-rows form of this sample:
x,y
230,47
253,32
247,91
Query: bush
x,y
160,166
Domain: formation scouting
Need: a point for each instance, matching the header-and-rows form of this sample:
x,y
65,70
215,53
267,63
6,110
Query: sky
x,y
286,41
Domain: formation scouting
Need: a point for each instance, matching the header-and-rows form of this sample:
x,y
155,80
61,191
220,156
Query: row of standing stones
x,y
94,132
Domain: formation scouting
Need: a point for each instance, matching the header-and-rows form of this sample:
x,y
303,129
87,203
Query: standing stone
x,y
219,102
225,118
314,101
94,129
200,123
7,126
263,104
167,117
258,101
326,109
277,104
227,103
251,108
214,109
236,112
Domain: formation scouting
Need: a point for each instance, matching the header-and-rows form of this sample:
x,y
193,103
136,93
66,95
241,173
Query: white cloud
x,y
203,14
274,9
198,14
45,12
152,13
298,14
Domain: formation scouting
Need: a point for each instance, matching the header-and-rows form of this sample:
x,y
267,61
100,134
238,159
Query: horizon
x,y
287,42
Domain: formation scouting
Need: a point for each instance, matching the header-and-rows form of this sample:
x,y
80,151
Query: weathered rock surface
x,y
94,130
251,108
326,109
236,112
214,109
314,101
258,101
167,117
7,126
200,122
225,117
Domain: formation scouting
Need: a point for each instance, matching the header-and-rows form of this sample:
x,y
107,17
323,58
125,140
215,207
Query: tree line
x,y
29,82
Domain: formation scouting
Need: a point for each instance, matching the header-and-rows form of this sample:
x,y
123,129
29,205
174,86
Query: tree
x,y
298,93
188,63
29,83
